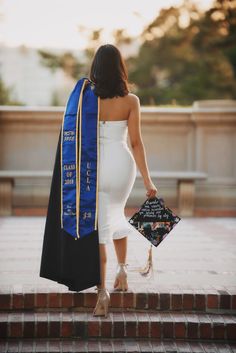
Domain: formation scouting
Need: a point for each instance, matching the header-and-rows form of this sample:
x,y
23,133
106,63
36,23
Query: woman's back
x,y
117,108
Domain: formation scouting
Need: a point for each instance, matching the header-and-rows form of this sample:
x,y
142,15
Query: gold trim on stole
x,y
79,112
98,156
62,135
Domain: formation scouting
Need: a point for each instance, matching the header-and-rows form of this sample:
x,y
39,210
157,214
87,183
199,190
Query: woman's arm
x,y
138,149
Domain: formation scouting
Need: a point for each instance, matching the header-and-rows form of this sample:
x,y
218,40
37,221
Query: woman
x,y
119,114
81,264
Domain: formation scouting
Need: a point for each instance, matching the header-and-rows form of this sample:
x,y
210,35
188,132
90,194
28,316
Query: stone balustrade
x,y
200,140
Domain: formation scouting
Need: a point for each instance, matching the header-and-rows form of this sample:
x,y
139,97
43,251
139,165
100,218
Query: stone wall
x,y
200,138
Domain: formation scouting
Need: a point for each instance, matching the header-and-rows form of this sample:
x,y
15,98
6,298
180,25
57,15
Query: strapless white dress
x,y
117,173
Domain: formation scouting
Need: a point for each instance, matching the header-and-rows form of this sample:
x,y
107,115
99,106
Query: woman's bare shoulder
x,y
134,103
133,98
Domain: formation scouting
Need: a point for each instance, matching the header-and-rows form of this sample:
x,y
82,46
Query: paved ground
x,y
199,254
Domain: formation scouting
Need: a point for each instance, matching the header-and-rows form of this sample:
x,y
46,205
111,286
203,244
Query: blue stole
x,y
79,161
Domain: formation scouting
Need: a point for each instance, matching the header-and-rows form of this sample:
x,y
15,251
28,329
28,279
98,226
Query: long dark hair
x,y
109,73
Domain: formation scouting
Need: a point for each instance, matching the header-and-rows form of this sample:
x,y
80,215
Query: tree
x,y
187,55
66,61
5,95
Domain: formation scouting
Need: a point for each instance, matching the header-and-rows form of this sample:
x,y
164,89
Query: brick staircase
x,y
137,322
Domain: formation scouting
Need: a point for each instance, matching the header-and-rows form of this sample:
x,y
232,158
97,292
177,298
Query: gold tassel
x,y
149,265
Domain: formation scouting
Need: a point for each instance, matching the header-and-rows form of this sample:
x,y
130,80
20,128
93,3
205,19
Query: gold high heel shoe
x,y
101,308
121,277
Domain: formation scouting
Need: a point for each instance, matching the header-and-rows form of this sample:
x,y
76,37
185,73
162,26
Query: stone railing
x,y
200,139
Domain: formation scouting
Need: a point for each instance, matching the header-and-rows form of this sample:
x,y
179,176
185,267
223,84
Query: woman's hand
x,y
151,189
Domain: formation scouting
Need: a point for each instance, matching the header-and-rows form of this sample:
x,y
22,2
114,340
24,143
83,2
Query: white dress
x,y
117,173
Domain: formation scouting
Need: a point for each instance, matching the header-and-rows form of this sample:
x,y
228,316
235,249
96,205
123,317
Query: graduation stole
x,y
79,148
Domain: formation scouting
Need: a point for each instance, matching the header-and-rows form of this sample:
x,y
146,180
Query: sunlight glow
x,y
56,23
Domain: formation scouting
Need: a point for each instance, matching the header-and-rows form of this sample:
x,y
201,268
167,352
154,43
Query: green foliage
x,y
183,63
67,62
186,55
5,95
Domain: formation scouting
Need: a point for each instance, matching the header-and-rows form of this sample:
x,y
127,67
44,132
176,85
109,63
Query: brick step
x,y
200,302
166,325
115,345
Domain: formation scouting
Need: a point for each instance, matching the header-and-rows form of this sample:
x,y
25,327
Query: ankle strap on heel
x,y
101,289
122,264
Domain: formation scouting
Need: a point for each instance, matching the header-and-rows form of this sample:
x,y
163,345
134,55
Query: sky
x,y
55,23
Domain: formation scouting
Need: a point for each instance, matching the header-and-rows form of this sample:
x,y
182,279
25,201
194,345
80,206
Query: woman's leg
x,y
121,252
121,249
103,262
103,299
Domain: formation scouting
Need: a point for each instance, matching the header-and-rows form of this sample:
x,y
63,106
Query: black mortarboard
x,y
154,220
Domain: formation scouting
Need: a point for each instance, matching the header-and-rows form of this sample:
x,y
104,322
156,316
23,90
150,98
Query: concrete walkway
x,y
199,254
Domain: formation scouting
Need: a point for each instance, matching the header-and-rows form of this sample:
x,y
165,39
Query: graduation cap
x,y
154,220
